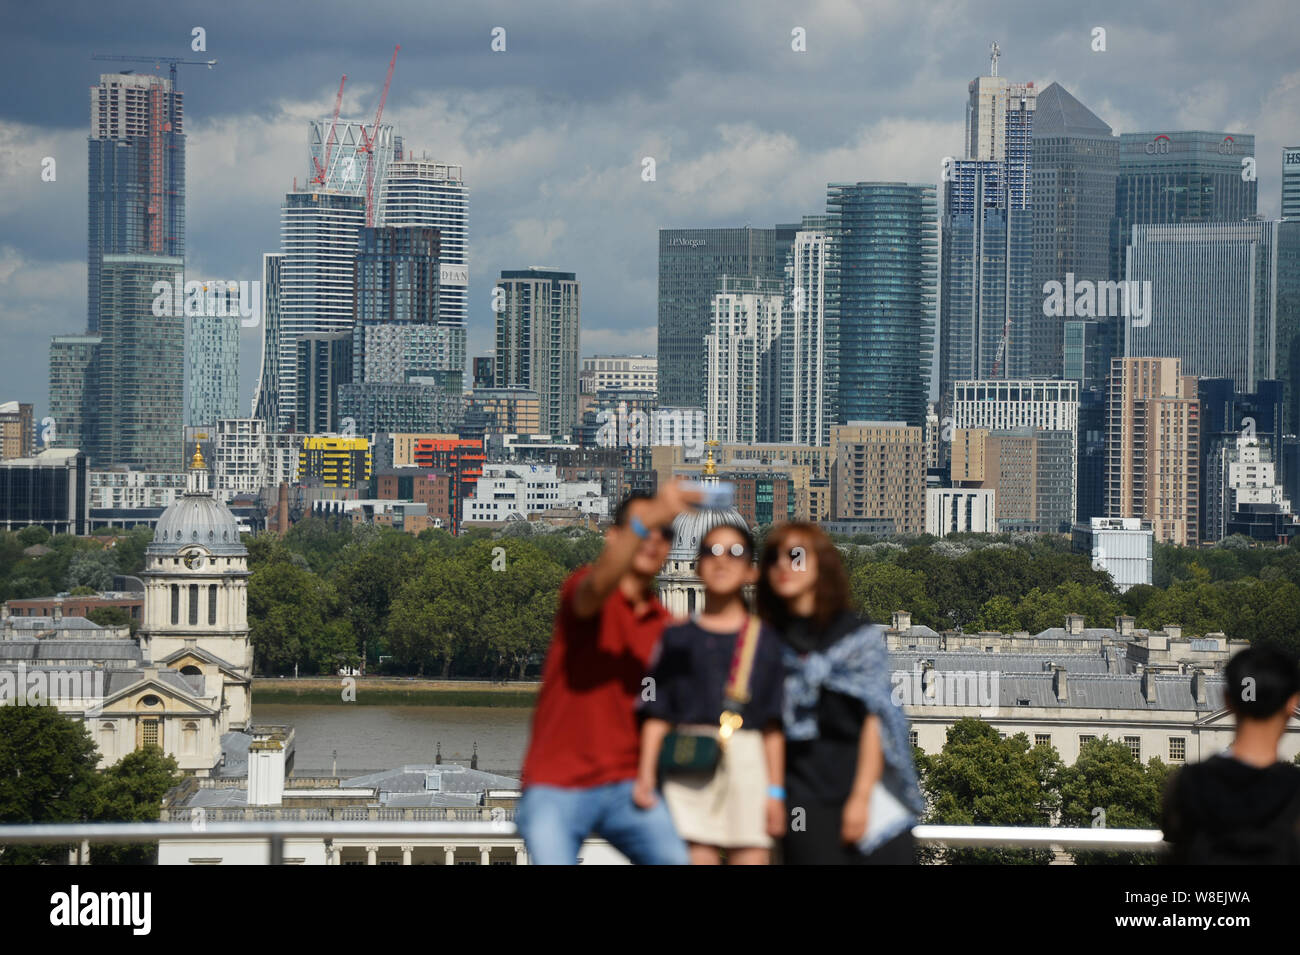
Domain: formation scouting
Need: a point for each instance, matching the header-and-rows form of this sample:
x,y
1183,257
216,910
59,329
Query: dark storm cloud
x,y
552,132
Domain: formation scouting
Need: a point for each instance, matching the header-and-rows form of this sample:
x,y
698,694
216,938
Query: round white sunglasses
x,y
737,550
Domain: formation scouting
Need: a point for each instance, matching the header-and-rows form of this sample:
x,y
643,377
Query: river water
x,y
370,738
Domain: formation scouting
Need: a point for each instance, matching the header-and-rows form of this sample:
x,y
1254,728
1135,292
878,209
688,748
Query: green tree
x,y
1107,785
286,613
47,774
980,779
92,568
879,589
131,790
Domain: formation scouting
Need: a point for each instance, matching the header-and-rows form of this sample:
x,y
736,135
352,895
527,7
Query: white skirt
x,y
729,808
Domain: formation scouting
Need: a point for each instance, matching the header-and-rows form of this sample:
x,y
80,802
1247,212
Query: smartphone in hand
x,y
714,497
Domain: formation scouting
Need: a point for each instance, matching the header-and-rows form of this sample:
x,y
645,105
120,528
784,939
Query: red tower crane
x,y
368,143
319,178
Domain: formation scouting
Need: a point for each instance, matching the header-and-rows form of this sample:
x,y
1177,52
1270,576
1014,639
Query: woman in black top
x,y
848,753
736,807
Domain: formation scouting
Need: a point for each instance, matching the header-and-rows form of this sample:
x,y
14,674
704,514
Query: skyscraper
x,y
314,292
139,372
1153,447
984,263
1073,198
881,297
808,342
742,353
690,264
1212,301
353,150
537,333
422,193
136,174
1170,177
1291,182
266,398
212,357
72,390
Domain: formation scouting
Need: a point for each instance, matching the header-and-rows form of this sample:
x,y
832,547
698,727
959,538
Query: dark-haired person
x,y
738,807
1242,806
848,753
582,754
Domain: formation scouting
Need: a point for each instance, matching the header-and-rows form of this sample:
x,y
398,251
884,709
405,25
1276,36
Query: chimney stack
x,y
1074,623
1124,624
1148,682
902,620
1059,685
1198,686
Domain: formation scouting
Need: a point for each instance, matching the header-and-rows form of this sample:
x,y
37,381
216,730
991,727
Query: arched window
x,y
190,737
194,605
212,604
176,605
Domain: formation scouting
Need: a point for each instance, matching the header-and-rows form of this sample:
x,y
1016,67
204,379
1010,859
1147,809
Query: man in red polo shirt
x,y
582,759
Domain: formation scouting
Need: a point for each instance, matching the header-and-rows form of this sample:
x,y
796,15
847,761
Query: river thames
x,y
370,738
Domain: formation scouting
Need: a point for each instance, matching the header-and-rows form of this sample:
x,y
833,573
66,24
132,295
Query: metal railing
x,y
504,833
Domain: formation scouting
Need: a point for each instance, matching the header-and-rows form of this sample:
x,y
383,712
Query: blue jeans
x,y
554,820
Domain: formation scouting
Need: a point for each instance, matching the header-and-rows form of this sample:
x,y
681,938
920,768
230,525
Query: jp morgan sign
x,y
453,274
688,243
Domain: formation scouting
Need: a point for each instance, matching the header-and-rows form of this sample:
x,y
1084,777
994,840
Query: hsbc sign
x,y
1291,159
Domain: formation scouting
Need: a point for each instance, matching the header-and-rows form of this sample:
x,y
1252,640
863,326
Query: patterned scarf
x,y
857,665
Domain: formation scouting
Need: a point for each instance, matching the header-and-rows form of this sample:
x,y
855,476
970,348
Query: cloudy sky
x,y
552,131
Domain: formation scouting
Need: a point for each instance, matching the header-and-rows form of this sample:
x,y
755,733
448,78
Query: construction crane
x,y
368,143
319,178
156,130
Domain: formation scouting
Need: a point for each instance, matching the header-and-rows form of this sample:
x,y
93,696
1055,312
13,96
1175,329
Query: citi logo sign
x,y
1158,146
1227,146
1088,299
74,908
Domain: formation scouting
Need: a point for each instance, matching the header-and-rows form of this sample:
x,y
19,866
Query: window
x,y
1084,740
194,604
913,738
1177,748
176,605
212,604
1134,744
1042,739
148,732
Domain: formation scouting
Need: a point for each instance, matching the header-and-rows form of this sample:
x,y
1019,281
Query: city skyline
x,y
544,166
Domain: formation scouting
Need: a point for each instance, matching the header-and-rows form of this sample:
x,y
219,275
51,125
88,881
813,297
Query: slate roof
x,y
449,778
1003,663
49,623
55,649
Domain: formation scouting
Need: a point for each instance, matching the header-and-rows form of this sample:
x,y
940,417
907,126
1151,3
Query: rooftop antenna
x,y
994,54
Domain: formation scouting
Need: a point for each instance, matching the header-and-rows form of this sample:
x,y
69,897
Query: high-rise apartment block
x,y
537,333
743,361
1153,447
433,195
136,174
881,287
809,353
879,474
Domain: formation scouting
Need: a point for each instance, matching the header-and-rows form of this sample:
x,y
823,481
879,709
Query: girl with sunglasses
x,y
849,763
718,676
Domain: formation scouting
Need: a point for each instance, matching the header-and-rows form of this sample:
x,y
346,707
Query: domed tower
x,y
196,592
680,589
